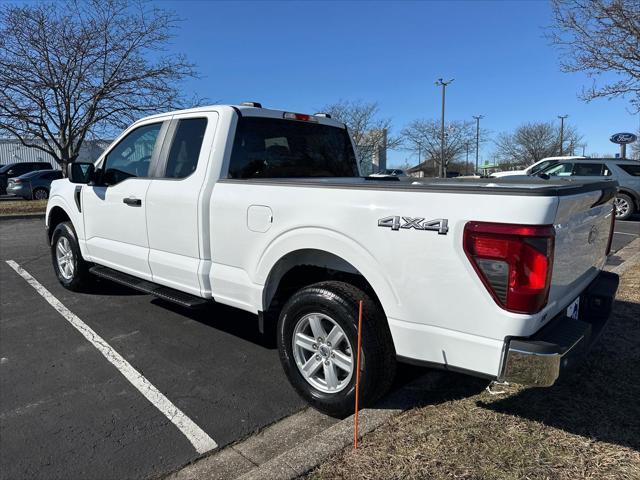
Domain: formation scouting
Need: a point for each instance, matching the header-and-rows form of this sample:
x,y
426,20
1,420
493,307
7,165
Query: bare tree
x,y
600,37
365,126
424,136
534,141
79,68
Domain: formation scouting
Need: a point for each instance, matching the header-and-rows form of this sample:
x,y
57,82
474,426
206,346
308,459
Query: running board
x,y
175,296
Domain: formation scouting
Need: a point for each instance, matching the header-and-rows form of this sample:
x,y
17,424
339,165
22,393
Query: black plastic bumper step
x,y
166,293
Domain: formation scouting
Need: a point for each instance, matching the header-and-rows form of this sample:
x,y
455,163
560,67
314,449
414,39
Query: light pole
x,y
442,170
477,117
466,163
562,117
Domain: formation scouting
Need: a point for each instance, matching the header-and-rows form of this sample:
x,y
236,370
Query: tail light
x,y
513,261
613,225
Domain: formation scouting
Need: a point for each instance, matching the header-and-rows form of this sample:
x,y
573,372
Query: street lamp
x,y
562,117
443,84
477,117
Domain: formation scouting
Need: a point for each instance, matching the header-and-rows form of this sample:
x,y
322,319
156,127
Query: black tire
x,y
42,193
339,301
624,199
80,279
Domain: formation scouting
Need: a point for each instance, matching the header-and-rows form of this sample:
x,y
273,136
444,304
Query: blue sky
x,y
302,55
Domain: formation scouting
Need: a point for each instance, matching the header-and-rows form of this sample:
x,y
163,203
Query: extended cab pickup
x,y
266,211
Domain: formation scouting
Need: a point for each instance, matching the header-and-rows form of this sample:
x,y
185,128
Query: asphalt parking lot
x,y
66,412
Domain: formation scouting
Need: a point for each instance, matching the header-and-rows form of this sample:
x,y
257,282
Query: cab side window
x,y
132,156
588,169
185,148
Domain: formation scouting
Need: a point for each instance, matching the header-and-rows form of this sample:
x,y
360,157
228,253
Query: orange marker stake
x,y
355,418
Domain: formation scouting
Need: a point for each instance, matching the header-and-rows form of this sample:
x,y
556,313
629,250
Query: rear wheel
x,y
624,206
317,341
40,194
71,269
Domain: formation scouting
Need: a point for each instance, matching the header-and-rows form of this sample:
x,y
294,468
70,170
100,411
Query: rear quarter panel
x,y
420,276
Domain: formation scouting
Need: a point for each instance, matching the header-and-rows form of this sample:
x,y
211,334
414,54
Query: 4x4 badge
x,y
440,225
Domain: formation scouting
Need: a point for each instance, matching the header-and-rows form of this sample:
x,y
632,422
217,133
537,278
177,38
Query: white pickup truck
x,y
265,210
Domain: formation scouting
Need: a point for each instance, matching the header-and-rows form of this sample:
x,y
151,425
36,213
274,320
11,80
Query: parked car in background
x,y
17,169
536,168
33,185
625,172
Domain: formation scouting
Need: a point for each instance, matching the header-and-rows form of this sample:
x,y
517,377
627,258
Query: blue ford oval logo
x,y
622,138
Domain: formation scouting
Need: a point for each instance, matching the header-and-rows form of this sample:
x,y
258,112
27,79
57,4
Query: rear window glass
x,y
274,148
633,170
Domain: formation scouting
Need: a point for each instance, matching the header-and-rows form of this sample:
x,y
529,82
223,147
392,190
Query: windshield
x,y
275,148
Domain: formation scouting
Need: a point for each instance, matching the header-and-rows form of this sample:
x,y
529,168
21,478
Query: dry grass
x,y
21,207
585,427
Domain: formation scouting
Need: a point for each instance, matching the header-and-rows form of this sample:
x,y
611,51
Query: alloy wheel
x,y
322,352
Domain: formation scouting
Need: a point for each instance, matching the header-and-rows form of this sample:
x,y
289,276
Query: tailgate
x,y
583,222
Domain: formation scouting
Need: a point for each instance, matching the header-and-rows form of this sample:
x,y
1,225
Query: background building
x,y
12,151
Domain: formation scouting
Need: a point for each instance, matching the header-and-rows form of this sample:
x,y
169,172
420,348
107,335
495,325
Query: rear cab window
x,y
278,148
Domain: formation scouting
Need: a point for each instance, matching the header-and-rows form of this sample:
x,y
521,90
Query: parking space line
x,y
625,233
198,437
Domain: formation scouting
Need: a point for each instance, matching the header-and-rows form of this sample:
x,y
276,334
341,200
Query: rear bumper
x,y
539,360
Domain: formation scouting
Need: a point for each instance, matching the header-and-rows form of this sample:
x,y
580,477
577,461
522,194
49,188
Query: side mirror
x,y
81,172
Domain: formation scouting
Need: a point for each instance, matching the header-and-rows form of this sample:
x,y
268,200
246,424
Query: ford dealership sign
x,y
623,138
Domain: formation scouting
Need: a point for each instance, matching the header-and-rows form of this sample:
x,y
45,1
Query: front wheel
x,y
317,341
624,206
71,269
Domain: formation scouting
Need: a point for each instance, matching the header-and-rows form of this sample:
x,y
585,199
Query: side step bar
x,y
165,293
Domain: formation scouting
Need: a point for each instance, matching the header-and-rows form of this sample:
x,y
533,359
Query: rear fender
x,y
336,244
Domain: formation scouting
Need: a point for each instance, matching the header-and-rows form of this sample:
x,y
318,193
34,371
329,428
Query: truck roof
x,y
249,111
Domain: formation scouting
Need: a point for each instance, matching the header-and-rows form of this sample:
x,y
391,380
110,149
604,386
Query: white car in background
x,y
537,167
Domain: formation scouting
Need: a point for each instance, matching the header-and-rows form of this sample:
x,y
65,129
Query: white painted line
x,y
198,438
625,233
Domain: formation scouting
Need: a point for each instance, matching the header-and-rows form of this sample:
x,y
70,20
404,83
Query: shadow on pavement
x,y
601,399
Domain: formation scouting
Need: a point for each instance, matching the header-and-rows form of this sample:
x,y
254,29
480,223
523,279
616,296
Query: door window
x,y
131,157
185,148
588,169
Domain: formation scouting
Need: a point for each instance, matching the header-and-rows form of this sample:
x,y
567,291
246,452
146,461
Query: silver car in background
x,y
625,172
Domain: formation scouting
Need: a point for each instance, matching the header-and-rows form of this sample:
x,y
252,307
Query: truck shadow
x,y
230,320
601,399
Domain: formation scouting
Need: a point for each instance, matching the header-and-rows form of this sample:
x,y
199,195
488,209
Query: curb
x,y
21,216
310,438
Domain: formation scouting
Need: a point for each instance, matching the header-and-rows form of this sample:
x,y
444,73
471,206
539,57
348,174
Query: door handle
x,y
132,202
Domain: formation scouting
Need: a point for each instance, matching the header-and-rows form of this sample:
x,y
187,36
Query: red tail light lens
x,y
513,261
613,226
